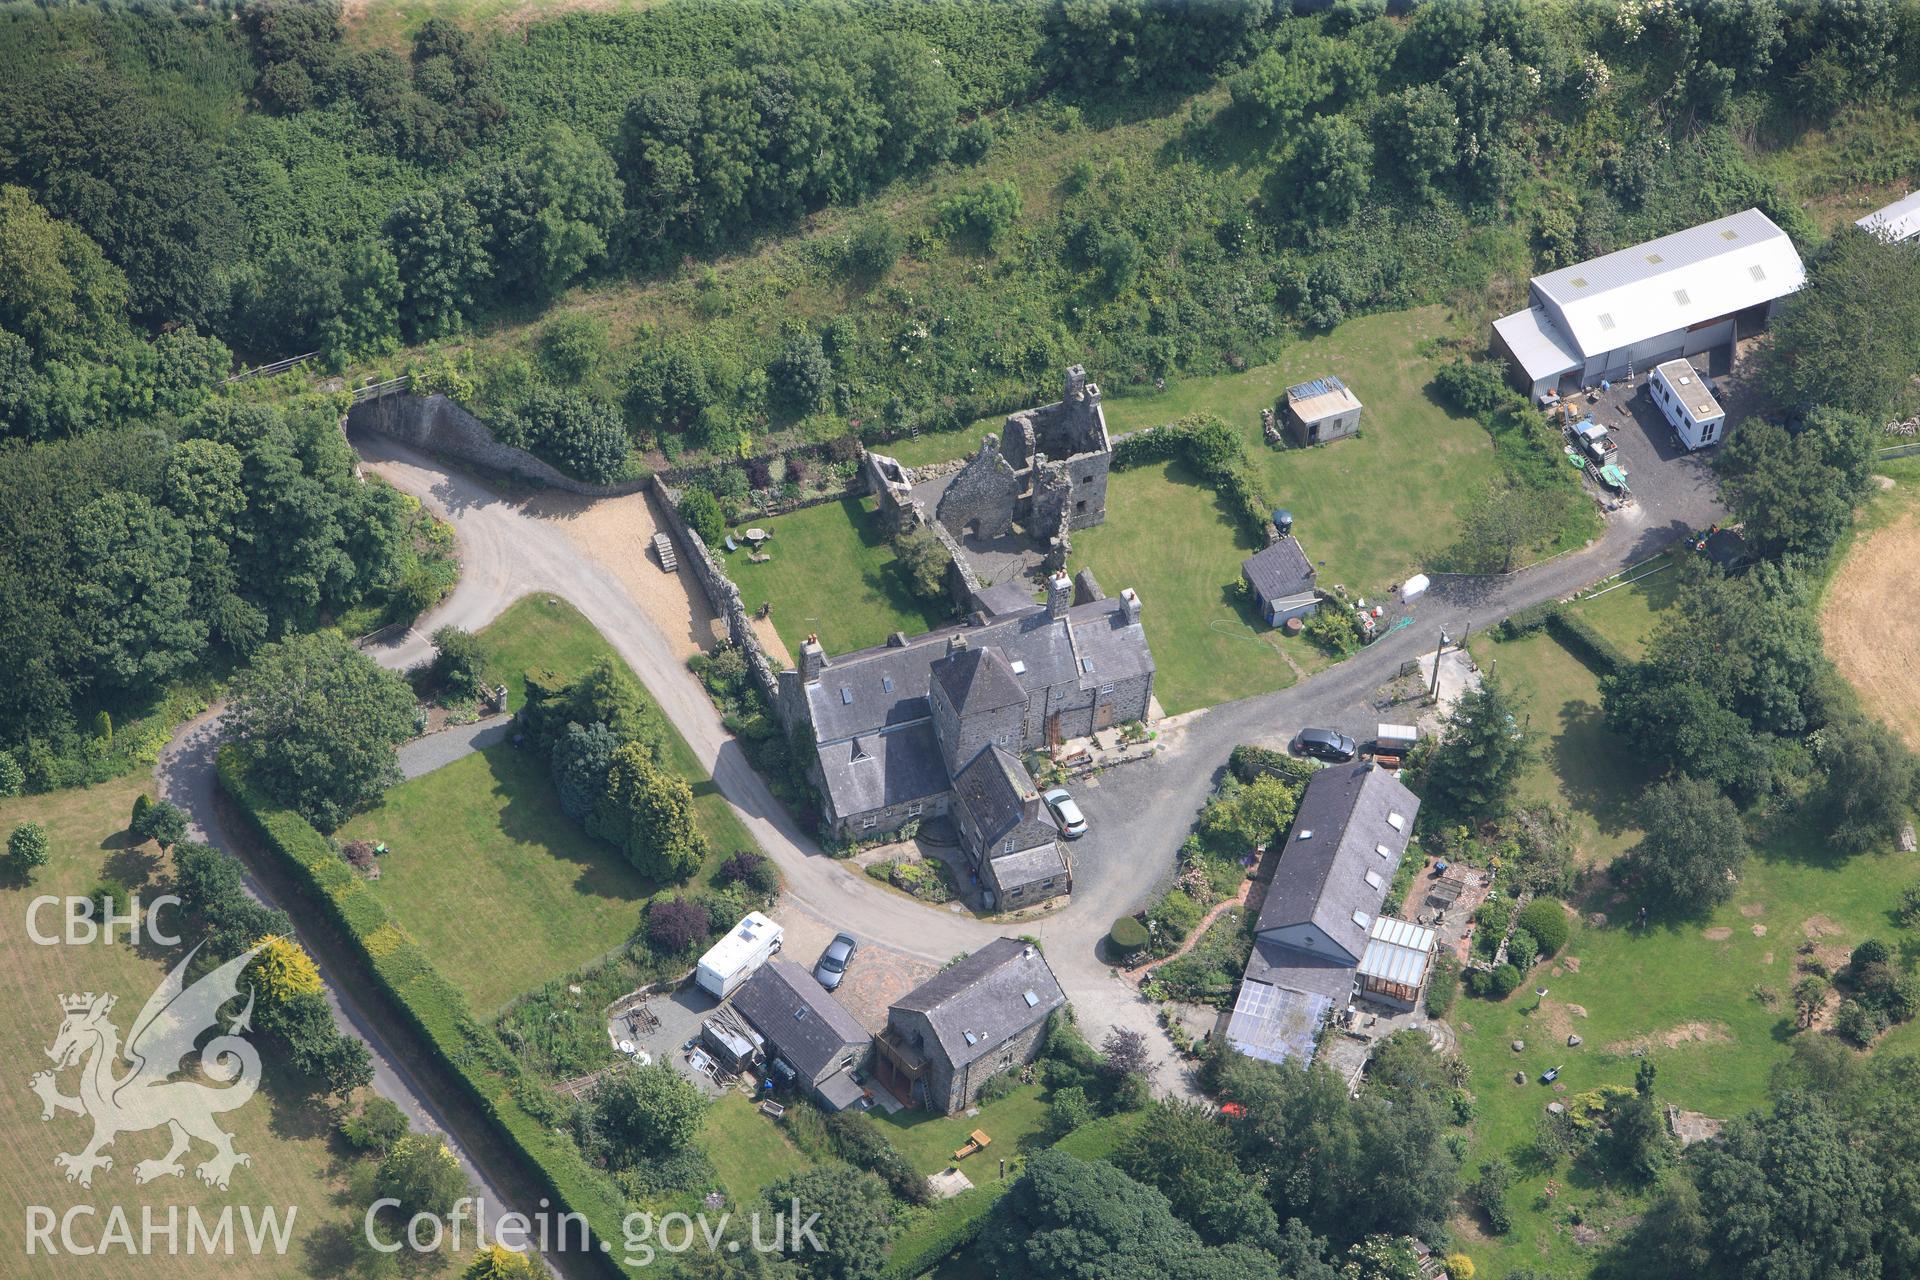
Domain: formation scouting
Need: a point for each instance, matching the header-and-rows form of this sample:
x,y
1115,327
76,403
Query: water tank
x,y
1283,521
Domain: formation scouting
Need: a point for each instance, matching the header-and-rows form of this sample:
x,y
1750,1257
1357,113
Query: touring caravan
x,y
732,960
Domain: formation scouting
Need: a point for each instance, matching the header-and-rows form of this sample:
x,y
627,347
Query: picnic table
x,y
756,535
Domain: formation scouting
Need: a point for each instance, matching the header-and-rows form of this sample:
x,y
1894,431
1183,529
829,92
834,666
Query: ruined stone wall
x,y
986,493
722,595
434,424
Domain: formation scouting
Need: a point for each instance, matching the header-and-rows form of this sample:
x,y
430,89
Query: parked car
x,y
1073,823
833,962
1325,744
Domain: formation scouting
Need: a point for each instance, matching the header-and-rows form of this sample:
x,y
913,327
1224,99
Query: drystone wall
x,y
720,592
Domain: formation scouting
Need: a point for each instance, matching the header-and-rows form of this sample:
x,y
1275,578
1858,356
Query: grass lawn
x,y
1166,537
1686,993
748,1150
1368,510
295,1162
1709,1000
929,1140
832,573
1624,611
1580,764
497,884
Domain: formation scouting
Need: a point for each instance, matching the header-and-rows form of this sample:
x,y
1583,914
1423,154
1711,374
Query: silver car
x,y
1073,823
833,962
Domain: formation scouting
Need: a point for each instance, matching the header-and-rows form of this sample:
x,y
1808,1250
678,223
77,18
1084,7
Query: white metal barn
x,y
1895,222
1681,295
1688,403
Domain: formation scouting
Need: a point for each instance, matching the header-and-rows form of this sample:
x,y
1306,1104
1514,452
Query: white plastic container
x,y
1415,587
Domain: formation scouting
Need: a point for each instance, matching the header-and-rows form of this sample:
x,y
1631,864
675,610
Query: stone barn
x,y
950,1035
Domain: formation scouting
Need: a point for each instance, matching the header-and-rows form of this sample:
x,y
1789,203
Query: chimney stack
x,y
956,643
813,660
1059,594
1130,604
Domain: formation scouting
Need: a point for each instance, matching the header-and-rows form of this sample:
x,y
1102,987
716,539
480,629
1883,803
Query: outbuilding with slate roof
x,y
1282,581
984,1015
806,1028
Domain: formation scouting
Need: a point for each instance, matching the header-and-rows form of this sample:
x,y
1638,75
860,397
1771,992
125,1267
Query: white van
x,y
732,960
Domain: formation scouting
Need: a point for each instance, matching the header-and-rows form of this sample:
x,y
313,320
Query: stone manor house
x,y
936,725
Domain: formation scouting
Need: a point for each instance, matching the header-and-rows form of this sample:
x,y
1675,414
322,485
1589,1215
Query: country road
x,y
1139,813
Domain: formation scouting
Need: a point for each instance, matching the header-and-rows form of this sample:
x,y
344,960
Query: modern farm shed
x,y
1691,292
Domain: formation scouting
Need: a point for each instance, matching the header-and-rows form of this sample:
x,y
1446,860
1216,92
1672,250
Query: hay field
x,y
1872,624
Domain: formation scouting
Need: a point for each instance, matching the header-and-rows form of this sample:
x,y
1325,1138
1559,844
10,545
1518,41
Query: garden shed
x,y
1321,410
1282,581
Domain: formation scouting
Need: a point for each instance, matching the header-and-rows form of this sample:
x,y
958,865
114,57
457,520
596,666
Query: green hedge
x,y
1529,620
1212,449
1585,643
1249,762
468,1052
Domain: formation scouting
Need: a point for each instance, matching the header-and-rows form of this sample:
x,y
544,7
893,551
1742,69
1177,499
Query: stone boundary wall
x,y
435,424
722,595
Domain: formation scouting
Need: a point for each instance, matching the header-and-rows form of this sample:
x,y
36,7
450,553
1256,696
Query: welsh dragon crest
x,y
146,1096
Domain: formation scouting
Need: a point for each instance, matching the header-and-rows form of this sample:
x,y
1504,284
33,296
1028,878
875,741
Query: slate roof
x,y
798,1017
978,680
1004,598
1281,571
981,1002
1029,866
887,684
998,792
1280,966
875,770
1333,871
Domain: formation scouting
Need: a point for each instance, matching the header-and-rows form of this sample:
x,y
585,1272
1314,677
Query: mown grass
x,y
928,1140
500,887
1370,510
1167,537
296,1162
833,572
748,1150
